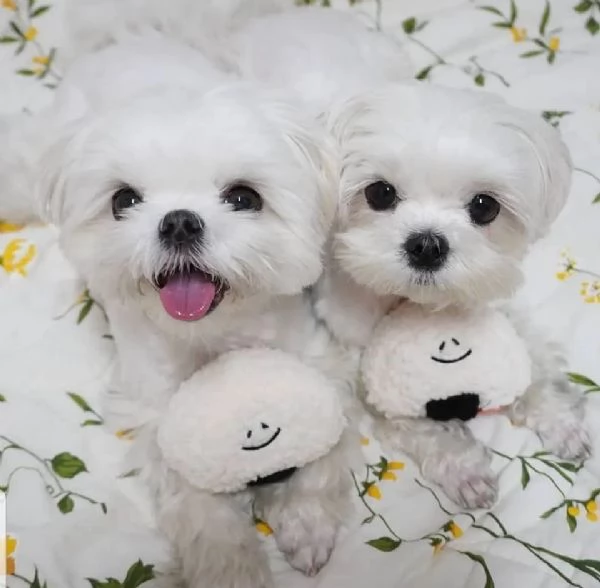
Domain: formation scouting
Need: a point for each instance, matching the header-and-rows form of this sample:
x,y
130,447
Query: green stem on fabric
x,y
587,173
548,476
43,462
373,512
445,510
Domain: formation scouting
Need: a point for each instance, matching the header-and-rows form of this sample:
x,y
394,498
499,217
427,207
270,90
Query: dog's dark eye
x,y
124,198
381,196
483,209
242,197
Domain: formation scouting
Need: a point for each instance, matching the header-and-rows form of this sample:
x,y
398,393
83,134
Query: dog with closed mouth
x,y
442,193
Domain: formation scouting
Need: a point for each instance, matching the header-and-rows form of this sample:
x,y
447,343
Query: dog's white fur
x,y
438,147
152,112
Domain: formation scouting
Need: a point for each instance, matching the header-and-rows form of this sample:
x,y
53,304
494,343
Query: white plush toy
x,y
251,416
446,364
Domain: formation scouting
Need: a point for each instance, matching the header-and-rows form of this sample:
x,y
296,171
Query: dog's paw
x,y
568,441
465,476
305,533
473,490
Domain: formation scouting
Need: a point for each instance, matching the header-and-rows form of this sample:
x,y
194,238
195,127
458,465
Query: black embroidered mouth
x,y
264,444
456,360
275,478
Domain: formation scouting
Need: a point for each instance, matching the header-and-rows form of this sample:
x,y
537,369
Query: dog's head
x,y
442,191
189,200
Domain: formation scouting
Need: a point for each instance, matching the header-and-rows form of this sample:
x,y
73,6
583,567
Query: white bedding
x,y
71,513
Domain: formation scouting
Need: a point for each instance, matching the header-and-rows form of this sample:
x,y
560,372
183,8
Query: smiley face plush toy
x,y
447,364
250,417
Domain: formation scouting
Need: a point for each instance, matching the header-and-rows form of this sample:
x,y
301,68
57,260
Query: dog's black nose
x,y
426,250
180,228
461,406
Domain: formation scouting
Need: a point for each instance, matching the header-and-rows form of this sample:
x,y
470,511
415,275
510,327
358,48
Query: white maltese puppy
x,y
442,192
196,208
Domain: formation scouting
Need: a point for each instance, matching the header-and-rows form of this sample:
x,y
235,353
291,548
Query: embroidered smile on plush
x,y
264,440
442,348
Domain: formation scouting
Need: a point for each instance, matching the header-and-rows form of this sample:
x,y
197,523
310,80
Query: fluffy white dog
x,y
196,208
442,193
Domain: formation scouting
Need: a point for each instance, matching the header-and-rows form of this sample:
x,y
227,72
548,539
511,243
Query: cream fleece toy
x,y
447,364
250,417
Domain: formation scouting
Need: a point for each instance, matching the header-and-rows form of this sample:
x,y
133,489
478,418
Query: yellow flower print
x,y
518,35
573,511
374,492
567,267
31,34
364,440
455,530
9,4
554,43
6,227
395,465
390,476
590,292
41,59
125,434
591,508
8,567
12,261
263,528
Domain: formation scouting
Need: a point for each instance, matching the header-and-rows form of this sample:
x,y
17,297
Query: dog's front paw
x,y
570,441
473,490
466,477
305,533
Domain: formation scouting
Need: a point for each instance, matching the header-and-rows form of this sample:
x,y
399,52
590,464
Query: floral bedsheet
x,y
75,519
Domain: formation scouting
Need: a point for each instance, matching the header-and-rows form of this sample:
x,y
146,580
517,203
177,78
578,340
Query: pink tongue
x,y
187,297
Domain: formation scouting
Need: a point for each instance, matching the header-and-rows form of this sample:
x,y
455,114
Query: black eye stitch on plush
x,y
125,197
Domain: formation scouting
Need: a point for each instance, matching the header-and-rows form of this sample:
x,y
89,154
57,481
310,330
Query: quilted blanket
x,y
75,518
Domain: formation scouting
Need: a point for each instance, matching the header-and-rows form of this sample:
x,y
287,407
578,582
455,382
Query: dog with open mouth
x,y
196,208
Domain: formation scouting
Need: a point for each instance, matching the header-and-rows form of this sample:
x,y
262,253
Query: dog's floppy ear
x,y
554,167
315,147
63,128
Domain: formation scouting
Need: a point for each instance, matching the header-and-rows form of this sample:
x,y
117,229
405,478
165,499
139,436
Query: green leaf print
x,y
137,574
525,477
67,465
545,19
582,380
385,544
79,401
583,6
66,504
489,582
